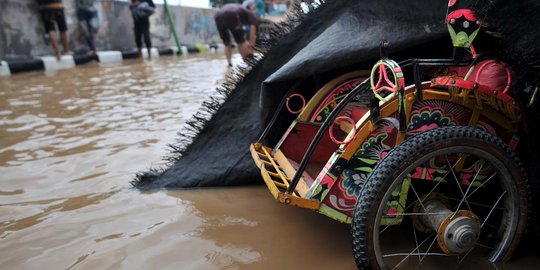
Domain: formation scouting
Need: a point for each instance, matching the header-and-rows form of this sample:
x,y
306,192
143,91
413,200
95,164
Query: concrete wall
x,y
22,34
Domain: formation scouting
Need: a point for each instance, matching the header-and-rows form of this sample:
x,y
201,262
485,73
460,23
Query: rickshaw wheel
x,y
478,223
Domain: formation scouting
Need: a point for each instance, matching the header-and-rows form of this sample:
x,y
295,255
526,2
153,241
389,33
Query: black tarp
x,y
338,36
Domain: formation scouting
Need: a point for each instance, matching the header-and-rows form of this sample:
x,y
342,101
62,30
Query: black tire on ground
x,y
467,143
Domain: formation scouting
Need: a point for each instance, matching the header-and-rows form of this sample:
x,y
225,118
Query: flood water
x,y
71,141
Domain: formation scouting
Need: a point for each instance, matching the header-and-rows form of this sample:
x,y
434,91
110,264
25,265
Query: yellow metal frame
x,y
277,172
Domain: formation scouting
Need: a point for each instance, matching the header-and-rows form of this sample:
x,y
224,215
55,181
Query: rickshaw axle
x,y
457,232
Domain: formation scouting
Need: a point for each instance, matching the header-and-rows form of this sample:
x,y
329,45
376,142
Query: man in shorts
x,y
235,19
52,12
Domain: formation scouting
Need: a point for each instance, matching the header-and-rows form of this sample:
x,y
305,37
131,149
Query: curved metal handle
x,y
331,133
303,103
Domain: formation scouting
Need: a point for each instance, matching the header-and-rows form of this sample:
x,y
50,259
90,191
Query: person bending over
x,y
52,13
232,19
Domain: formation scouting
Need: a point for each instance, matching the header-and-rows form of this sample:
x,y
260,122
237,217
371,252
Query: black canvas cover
x,y
339,35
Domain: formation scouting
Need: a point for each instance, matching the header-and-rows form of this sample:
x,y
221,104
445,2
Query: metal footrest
x,y
277,171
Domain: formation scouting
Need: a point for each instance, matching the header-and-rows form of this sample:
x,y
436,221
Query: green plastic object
x,y
173,26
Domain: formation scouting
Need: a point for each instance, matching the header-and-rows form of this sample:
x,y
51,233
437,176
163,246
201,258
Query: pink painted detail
x,y
424,128
467,13
496,66
401,80
429,174
327,180
488,127
451,3
392,211
384,154
382,72
417,173
423,173
384,75
466,177
473,51
513,142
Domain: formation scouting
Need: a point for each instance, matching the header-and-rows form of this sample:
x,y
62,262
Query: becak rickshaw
x,y
424,172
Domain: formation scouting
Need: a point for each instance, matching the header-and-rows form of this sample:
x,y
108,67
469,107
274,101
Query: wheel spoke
x,y
444,177
469,188
484,246
491,226
476,203
429,193
415,240
394,222
427,251
416,214
462,259
414,254
491,211
415,250
467,254
418,198
483,183
459,185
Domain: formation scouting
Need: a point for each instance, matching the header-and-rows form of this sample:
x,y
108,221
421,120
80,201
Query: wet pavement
x,y
72,140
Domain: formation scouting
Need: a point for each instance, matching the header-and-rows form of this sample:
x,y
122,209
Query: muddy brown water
x,y
71,141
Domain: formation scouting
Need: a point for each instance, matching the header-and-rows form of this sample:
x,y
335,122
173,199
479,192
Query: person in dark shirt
x,y
141,11
89,21
234,19
52,13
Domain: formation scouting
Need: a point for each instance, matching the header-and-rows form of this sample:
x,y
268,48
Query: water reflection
x,y
72,140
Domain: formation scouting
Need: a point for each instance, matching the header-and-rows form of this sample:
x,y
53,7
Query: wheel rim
x,y
502,208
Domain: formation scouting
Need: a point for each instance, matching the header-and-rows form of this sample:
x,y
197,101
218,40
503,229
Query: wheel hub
x,y
457,232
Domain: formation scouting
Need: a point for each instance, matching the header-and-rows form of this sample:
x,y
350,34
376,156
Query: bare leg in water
x,y
54,43
228,54
63,36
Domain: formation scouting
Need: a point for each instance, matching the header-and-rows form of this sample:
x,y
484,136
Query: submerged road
x,y
71,141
